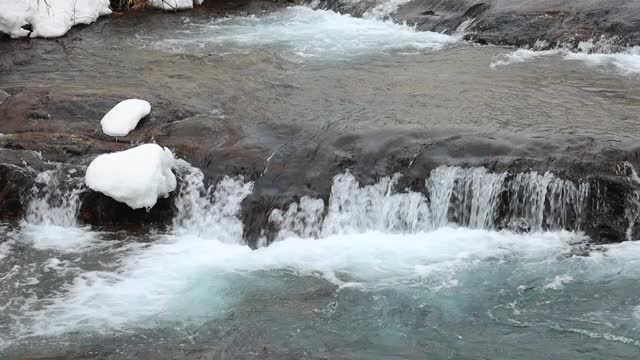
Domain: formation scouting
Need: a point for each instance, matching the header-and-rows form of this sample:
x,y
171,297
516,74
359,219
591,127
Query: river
x,y
371,274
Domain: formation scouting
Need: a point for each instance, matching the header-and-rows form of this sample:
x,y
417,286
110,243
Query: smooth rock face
x,y
124,117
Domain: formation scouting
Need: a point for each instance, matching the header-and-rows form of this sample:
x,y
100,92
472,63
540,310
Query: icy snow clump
x,y
136,177
124,117
51,18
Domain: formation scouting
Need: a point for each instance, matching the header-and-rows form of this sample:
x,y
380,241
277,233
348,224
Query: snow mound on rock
x,y
136,177
124,117
51,18
174,4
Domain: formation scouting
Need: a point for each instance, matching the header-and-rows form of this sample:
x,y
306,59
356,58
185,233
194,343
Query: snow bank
x,y
136,177
174,4
48,19
124,117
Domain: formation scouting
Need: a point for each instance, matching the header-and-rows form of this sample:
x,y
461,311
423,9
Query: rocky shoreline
x,y
46,126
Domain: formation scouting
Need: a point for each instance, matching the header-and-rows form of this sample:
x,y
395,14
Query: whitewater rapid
x,y
201,270
301,32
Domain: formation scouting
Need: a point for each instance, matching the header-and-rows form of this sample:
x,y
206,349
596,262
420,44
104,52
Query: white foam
x,y
626,62
152,277
5,248
304,33
169,280
124,117
136,177
59,238
558,282
521,56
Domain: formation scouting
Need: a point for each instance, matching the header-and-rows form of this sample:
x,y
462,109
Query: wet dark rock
x,y
18,170
100,210
13,182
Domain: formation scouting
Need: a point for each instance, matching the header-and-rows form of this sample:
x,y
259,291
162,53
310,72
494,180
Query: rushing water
x,y
376,271
301,32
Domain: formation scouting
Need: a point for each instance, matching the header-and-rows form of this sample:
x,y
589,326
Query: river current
x,y
371,274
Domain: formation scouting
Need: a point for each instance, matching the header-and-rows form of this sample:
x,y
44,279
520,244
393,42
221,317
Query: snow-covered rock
x,y
50,18
174,4
124,117
136,177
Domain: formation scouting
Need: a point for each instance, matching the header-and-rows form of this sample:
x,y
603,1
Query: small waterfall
x,y
54,198
547,202
453,196
301,219
632,208
209,211
464,196
355,209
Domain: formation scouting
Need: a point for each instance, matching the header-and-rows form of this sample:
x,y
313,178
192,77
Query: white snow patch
x,y
174,4
52,18
124,117
136,177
